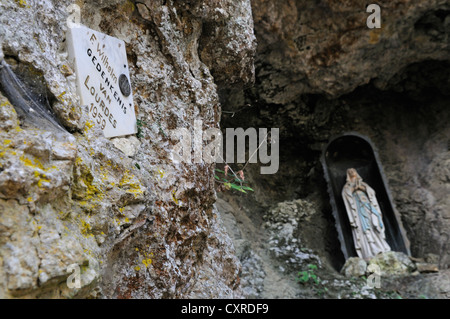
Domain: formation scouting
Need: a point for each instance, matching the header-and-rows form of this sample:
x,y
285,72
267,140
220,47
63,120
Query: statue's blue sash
x,y
364,217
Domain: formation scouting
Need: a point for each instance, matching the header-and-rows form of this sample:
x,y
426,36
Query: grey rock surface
x,y
326,47
136,223
142,226
354,267
392,263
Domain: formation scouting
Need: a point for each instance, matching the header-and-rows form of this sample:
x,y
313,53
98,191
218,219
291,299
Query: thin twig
x,y
264,139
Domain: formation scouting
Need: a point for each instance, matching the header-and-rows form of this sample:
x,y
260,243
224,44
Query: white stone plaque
x,y
103,79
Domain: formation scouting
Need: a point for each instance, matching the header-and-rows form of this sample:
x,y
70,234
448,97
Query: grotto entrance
x,y
356,151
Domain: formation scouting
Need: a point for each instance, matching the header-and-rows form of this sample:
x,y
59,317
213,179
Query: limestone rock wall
x,y
141,226
138,225
325,47
320,72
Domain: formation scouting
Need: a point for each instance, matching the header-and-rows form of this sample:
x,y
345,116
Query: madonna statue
x,y
365,216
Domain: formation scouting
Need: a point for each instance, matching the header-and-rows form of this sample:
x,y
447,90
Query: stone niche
x,y
357,151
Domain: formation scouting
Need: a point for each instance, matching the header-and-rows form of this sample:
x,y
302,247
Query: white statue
x,y
365,216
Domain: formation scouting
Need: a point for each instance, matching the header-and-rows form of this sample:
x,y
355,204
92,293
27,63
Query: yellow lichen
x,y
85,188
38,168
42,178
22,4
86,228
60,97
147,262
128,7
34,164
88,126
174,198
130,184
6,147
374,36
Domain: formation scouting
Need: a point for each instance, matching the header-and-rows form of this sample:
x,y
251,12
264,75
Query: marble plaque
x,y
103,79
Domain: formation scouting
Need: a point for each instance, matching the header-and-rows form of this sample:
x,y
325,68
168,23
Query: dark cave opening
x,y
402,117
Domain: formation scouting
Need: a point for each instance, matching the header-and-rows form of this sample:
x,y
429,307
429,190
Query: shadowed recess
x,y
26,89
354,151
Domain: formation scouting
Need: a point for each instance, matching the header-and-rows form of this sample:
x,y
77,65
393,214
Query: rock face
x,y
384,264
320,72
284,241
311,56
137,224
354,267
270,255
392,263
325,47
